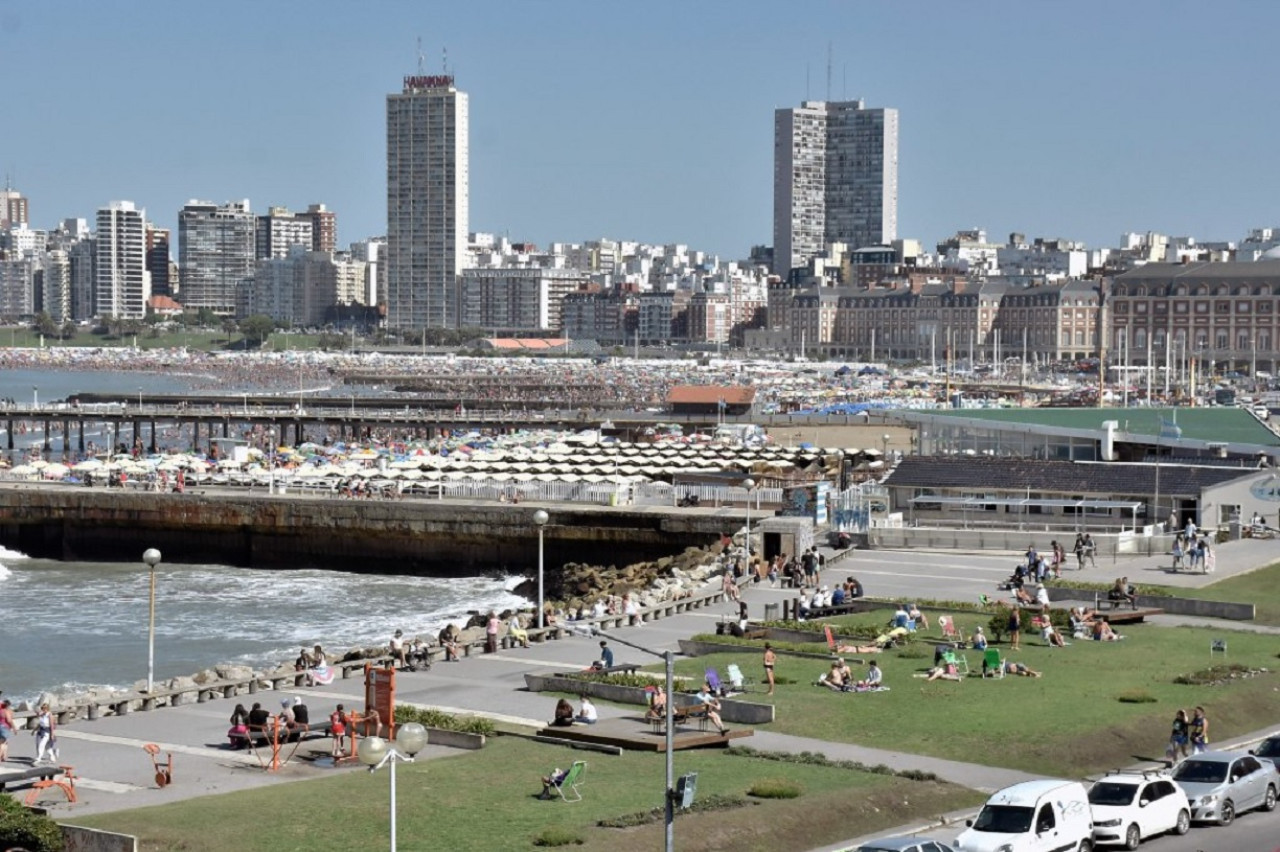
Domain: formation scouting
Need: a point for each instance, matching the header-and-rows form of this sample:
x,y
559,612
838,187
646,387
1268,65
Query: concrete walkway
x,y
115,773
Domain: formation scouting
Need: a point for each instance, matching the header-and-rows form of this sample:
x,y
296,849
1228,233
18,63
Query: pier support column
x,y
80,425
9,431
46,445
153,436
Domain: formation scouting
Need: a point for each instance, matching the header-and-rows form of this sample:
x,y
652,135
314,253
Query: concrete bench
x,y
19,776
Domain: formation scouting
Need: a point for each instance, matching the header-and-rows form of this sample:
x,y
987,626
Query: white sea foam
x,y
10,555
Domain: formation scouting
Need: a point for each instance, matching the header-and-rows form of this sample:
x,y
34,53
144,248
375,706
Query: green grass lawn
x,y
487,800
1068,722
1260,588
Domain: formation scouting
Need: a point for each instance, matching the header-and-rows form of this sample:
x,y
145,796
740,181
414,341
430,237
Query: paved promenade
x,y
115,773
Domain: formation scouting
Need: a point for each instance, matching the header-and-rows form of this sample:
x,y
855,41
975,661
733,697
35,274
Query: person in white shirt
x,y
587,714
874,676
1042,595
599,609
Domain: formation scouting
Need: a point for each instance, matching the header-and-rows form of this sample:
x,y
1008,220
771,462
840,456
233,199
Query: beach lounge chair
x,y
737,680
959,661
947,625
568,786
992,665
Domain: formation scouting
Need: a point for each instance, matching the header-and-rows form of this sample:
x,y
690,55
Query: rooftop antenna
x,y
422,59
828,70
806,81
444,60
844,82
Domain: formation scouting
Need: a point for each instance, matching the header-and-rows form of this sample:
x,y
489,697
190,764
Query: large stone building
x,y
835,179
427,202
1223,315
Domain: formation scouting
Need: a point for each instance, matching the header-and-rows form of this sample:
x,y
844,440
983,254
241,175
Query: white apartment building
x,y
509,299
215,253
17,284
428,201
280,229
835,179
373,253
304,288
122,285
56,288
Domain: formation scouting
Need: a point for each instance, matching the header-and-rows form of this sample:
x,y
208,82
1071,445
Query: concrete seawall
x,y
426,537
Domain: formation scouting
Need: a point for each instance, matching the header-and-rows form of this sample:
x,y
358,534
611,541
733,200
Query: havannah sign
x,y
434,81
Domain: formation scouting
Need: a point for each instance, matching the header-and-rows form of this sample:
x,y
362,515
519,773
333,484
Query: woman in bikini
x,y
770,658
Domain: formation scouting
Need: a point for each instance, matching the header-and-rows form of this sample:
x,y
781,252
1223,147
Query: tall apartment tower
x,y
215,253
14,210
324,227
427,202
835,179
280,229
158,260
121,285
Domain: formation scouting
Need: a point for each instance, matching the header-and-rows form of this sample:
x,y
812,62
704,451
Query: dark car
x,y
1269,750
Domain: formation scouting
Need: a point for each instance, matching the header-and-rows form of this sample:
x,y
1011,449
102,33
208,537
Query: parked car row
x,y
1120,809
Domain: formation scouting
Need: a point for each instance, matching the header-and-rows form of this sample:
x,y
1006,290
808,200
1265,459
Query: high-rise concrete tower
x,y
835,179
121,283
427,202
215,253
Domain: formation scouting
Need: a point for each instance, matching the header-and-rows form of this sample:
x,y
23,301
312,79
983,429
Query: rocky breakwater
x,y
575,586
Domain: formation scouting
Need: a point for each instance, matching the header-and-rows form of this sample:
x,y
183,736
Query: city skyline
x,y
1080,120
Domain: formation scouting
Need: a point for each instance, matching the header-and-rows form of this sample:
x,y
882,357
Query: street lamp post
x,y
375,752
540,519
748,484
884,441
669,659
271,461
35,397
152,557
139,399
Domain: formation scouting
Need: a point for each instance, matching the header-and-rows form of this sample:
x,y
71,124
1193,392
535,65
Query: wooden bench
x,y
679,714
18,776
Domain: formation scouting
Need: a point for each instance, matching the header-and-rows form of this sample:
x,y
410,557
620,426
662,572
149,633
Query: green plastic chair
x,y
992,665
572,780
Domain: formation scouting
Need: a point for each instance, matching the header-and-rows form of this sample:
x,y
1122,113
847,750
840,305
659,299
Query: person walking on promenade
x,y
491,633
1179,738
6,729
338,722
770,660
1199,732
44,736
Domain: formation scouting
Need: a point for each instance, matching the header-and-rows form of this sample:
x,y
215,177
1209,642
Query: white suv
x,y
1129,807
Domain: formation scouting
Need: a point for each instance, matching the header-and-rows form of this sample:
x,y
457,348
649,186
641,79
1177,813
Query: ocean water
x,y
68,626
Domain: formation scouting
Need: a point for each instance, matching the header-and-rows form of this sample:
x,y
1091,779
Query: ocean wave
x,y
10,555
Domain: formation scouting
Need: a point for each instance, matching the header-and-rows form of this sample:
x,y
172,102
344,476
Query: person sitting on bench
x,y
1122,591
657,703
449,641
711,706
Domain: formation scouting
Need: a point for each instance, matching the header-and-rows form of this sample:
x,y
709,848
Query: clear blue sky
x,y
654,120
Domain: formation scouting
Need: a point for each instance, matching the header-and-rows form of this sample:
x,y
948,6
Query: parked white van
x,y
1034,816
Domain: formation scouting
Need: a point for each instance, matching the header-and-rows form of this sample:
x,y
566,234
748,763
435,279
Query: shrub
x,y
558,836
774,788
713,802
1136,696
444,721
813,758
617,679
25,829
